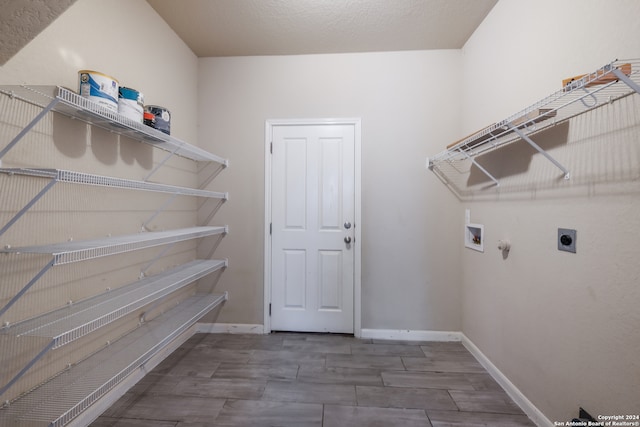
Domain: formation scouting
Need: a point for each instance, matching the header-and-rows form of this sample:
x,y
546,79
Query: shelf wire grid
x,y
71,104
83,317
74,177
576,98
60,400
70,252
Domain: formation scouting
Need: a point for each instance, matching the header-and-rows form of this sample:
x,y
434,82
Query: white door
x,y
312,214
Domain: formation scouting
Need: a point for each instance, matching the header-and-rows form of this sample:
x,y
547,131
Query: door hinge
x,y
270,228
271,147
269,309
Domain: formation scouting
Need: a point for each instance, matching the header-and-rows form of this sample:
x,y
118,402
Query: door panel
x,y
312,193
330,184
295,181
295,265
330,279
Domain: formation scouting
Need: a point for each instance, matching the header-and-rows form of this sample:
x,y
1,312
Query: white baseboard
x,y
409,335
229,328
514,393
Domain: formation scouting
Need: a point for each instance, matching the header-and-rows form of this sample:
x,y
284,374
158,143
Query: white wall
x,y
563,327
409,105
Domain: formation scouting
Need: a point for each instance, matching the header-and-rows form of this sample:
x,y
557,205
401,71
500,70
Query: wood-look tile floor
x,y
321,380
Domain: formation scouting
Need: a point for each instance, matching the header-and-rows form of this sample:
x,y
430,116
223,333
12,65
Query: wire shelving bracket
x,y
77,251
68,324
61,399
66,395
613,81
69,103
65,176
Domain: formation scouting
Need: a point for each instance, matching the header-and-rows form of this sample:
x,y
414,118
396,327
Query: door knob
x,y
347,240
347,225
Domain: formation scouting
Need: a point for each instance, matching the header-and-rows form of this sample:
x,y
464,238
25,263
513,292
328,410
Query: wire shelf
x,y
73,177
62,398
81,318
73,105
67,395
69,252
583,94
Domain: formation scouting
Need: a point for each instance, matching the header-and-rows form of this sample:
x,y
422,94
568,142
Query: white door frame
x,y
357,320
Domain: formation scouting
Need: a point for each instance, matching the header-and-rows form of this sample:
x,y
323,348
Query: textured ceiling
x,y
290,27
21,21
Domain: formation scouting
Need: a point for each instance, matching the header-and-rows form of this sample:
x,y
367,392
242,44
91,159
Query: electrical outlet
x,y
567,240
